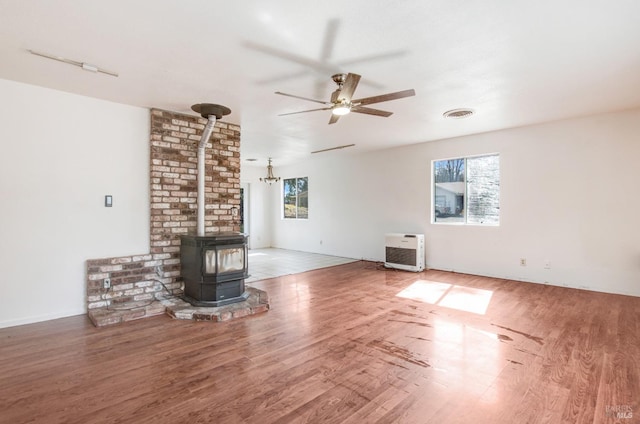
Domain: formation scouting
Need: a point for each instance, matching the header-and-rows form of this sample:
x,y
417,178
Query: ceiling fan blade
x,y
303,98
304,111
329,39
280,78
320,88
310,63
349,86
334,96
333,119
384,97
371,58
370,111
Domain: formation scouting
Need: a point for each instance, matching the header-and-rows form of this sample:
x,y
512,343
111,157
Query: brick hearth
x,y
257,302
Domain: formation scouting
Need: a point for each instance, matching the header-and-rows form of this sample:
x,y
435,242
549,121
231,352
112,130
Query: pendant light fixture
x,y
269,179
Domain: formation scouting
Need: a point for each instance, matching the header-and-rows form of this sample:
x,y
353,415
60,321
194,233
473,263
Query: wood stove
x,y
214,268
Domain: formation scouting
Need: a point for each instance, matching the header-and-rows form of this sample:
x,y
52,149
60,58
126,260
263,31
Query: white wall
x,y
258,206
568,196
61,153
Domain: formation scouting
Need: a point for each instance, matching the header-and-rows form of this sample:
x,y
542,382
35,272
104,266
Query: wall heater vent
x,y
404,251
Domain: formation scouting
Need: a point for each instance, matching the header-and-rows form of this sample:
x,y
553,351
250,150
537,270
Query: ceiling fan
x,y
341,102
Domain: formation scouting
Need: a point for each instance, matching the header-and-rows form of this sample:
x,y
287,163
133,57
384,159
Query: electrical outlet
x,y
523,261
106,284
547,264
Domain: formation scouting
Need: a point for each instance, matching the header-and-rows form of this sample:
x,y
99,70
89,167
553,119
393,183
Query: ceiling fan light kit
x,y
341,102
341,109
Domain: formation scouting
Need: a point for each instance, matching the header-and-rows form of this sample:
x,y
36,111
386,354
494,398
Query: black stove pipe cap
x,y
208,109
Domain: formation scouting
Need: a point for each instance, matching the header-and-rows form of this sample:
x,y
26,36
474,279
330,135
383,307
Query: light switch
x,y
108,201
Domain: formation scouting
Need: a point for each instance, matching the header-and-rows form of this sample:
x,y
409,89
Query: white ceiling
x,y
514,62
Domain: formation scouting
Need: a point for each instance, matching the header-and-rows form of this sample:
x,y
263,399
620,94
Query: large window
x,y
467,190
296,198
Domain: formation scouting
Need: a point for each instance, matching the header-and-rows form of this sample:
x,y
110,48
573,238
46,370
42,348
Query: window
x,y
296,198
467,190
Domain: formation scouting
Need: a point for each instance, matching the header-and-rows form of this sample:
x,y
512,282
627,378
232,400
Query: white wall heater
x,y
404,251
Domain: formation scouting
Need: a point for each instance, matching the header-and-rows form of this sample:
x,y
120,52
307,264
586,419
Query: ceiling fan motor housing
x,y
339,79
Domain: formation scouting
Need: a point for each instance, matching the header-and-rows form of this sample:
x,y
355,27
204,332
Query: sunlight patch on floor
x,y
452,296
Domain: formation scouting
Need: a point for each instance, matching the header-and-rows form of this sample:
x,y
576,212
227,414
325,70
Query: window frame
x,y
465,220
297,199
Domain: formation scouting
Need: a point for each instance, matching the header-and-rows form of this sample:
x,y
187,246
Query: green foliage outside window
x,y
296,198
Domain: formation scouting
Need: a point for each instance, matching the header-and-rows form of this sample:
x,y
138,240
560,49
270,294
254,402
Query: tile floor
x,y
270,262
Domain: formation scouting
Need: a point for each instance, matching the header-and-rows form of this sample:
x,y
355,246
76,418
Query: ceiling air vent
x,y
458,113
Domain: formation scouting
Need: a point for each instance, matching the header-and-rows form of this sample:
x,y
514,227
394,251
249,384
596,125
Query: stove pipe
x,y
211,112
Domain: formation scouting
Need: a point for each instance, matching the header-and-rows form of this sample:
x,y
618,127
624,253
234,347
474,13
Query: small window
x,y
296,198
467,190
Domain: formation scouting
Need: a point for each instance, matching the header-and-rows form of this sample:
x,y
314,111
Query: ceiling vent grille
x,y
458,113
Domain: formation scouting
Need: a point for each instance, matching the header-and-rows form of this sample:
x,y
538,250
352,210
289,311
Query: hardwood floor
x,y
348,344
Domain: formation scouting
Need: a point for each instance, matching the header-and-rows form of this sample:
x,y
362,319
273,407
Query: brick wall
x,y
139,283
